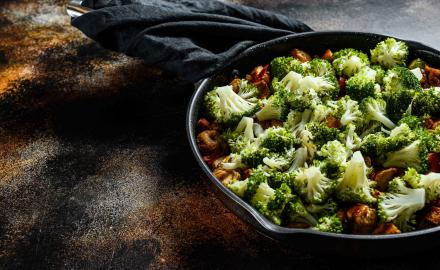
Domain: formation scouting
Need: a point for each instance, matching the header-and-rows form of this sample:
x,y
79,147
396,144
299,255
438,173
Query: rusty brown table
x,y
95,171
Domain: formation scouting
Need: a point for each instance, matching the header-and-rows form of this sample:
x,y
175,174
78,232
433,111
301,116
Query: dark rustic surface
x,y
95,171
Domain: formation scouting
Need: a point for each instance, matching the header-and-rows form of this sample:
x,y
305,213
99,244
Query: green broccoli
x,y
350,138
318,68
399,78
280,161
355,186
390,53
277,139
426,102
374,145
239,187
430,182
400,204
332,224
253,154
330,207
417,63
297,213
380,73
313,185
412,121
374,109
414,155
349,61
272,207
362,84
398,103
227,107
241,137
301,156
280,66
248,91
275,107
296,121
346,110
325,87
321,134
334,151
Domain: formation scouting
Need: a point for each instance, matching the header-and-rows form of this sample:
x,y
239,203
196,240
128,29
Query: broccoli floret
x,y
280,66
274,207
239,187
297,98
257,177
346,110
362,84
400,203
279,161
412,121
417,63
307,142
330,207
349,61
413,155
253,154
430,182
300,159
297,213
227,107
296,121
318,67
350,138
325,87
358,88
321,133
398,103
334,151
320,113
241,137
277,178
400,137
426,102
374,145
275,107
248,91
380,73
399,78
331,224
355,186
374,109
277,139
313,185
390,53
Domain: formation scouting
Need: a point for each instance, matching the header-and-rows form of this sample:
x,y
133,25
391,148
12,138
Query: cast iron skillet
x,y
312,42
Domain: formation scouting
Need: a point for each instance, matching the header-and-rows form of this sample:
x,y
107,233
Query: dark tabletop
x,y
95,169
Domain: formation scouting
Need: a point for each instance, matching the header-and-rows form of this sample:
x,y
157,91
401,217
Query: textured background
x,y
95,171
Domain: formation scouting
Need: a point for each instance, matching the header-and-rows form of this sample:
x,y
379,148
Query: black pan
x,y
311,240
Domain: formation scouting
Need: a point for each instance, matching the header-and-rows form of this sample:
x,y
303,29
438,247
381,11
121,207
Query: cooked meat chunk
x,y
226,176
433,76
382,177
386,228
328,55
209,142
332,122
361,218
300,55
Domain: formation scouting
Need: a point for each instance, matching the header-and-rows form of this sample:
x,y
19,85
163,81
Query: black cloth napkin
x,y
191,38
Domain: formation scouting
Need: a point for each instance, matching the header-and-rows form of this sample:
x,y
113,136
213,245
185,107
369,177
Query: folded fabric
x,y
192,39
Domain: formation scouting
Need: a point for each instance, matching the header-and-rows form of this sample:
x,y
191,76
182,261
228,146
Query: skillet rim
x,y
262,224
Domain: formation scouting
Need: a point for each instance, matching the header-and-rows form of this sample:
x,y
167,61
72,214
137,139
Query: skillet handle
x,y
75,9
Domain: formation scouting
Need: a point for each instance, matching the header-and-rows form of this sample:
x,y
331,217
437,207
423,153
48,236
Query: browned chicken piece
x,y
361,218
428,123
328,55
433,216
226,176
264,89
382,177
246,173
332,121
235,83
433,75
376,193
203,124
386,228
260,73
209,142
301,55
219,161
